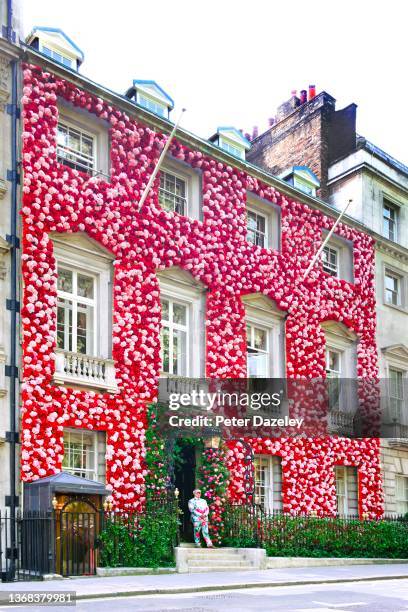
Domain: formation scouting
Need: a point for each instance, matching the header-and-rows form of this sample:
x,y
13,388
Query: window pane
x,y
85,286
65,280
333,362
179,314
64,325
74,140
165,309
172,193
165,351
85,333
257,364
260,338
179,352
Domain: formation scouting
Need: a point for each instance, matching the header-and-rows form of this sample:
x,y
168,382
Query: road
x,y
368,596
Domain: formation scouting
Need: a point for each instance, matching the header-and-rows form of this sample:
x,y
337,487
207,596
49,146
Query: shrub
x,y
306,536
143,540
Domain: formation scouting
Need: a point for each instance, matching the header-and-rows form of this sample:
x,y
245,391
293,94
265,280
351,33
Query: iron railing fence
x,y
283,534
75,543
33,553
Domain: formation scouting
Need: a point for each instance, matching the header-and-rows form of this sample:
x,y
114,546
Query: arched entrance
x,y
77,527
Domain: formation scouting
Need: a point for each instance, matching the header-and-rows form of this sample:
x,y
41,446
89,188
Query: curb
x,y
230,587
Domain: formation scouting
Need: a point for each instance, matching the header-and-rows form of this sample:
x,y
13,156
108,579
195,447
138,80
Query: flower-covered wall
x,y
215,252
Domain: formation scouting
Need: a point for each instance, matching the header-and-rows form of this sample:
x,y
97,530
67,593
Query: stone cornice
x,y
395,250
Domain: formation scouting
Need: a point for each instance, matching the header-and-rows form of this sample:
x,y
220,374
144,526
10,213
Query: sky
x,y
232,62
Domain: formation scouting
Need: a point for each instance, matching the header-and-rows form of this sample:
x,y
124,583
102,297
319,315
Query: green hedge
x,y
287,536
145,540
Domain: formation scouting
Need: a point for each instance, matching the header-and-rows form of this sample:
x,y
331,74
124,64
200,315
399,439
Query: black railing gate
x,y
33,555
76,536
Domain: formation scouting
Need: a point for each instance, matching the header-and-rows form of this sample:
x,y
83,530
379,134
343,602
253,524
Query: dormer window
x,y
302,178
232,141
152,97
56,45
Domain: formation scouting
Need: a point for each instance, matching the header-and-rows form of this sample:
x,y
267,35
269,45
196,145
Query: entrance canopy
x,y
38,494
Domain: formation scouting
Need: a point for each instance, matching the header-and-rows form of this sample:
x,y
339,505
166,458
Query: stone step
x,y
226,568
217,563
208,559
213,552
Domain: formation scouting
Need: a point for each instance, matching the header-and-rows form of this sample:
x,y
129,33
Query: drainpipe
x,y
8,29
12,304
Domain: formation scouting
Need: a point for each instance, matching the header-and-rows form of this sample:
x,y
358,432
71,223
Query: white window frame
x,y
345,257
75,300
397,292
402,277
192,179
262,313
71,127
304,185
82,258
271,213
152,105
396,402
401,494
343,342
179,286
171,326
176,175
271,464
251,345
387,204
50,52
92,472
328,267
232,148
257,232
346,501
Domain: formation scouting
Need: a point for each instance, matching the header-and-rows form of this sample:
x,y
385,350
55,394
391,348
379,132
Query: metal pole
x,y
160,161
329,235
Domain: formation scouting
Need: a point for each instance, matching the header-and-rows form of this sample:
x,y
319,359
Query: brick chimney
x,y
306,133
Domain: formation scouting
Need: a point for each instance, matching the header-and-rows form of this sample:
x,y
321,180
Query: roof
x,y
67,483
36,29
233,134
369,146
143,84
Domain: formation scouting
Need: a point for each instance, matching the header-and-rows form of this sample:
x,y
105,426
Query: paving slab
x,y
92,587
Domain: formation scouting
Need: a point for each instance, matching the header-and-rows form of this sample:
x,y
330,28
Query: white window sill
x,y
396,307
84,371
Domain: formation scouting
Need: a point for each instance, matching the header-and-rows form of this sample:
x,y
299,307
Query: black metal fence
x,y
307,535
75,543
26,545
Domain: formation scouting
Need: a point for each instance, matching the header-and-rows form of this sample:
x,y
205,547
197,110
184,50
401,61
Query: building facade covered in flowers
x,y
204,280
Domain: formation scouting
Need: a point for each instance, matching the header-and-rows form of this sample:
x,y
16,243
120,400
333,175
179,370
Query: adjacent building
x,y
316,147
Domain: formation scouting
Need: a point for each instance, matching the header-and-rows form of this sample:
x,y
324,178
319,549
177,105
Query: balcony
x,y
84,371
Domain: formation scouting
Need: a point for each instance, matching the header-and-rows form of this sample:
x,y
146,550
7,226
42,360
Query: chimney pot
x,y
254,132
271,121
303,96
312,92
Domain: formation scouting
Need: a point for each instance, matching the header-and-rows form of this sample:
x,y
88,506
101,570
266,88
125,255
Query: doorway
x,y
77,527
185,481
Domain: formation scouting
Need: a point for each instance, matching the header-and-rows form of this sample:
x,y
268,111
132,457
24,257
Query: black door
x,y
185,482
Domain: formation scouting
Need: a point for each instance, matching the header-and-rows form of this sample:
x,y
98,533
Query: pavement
x,y
173,584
